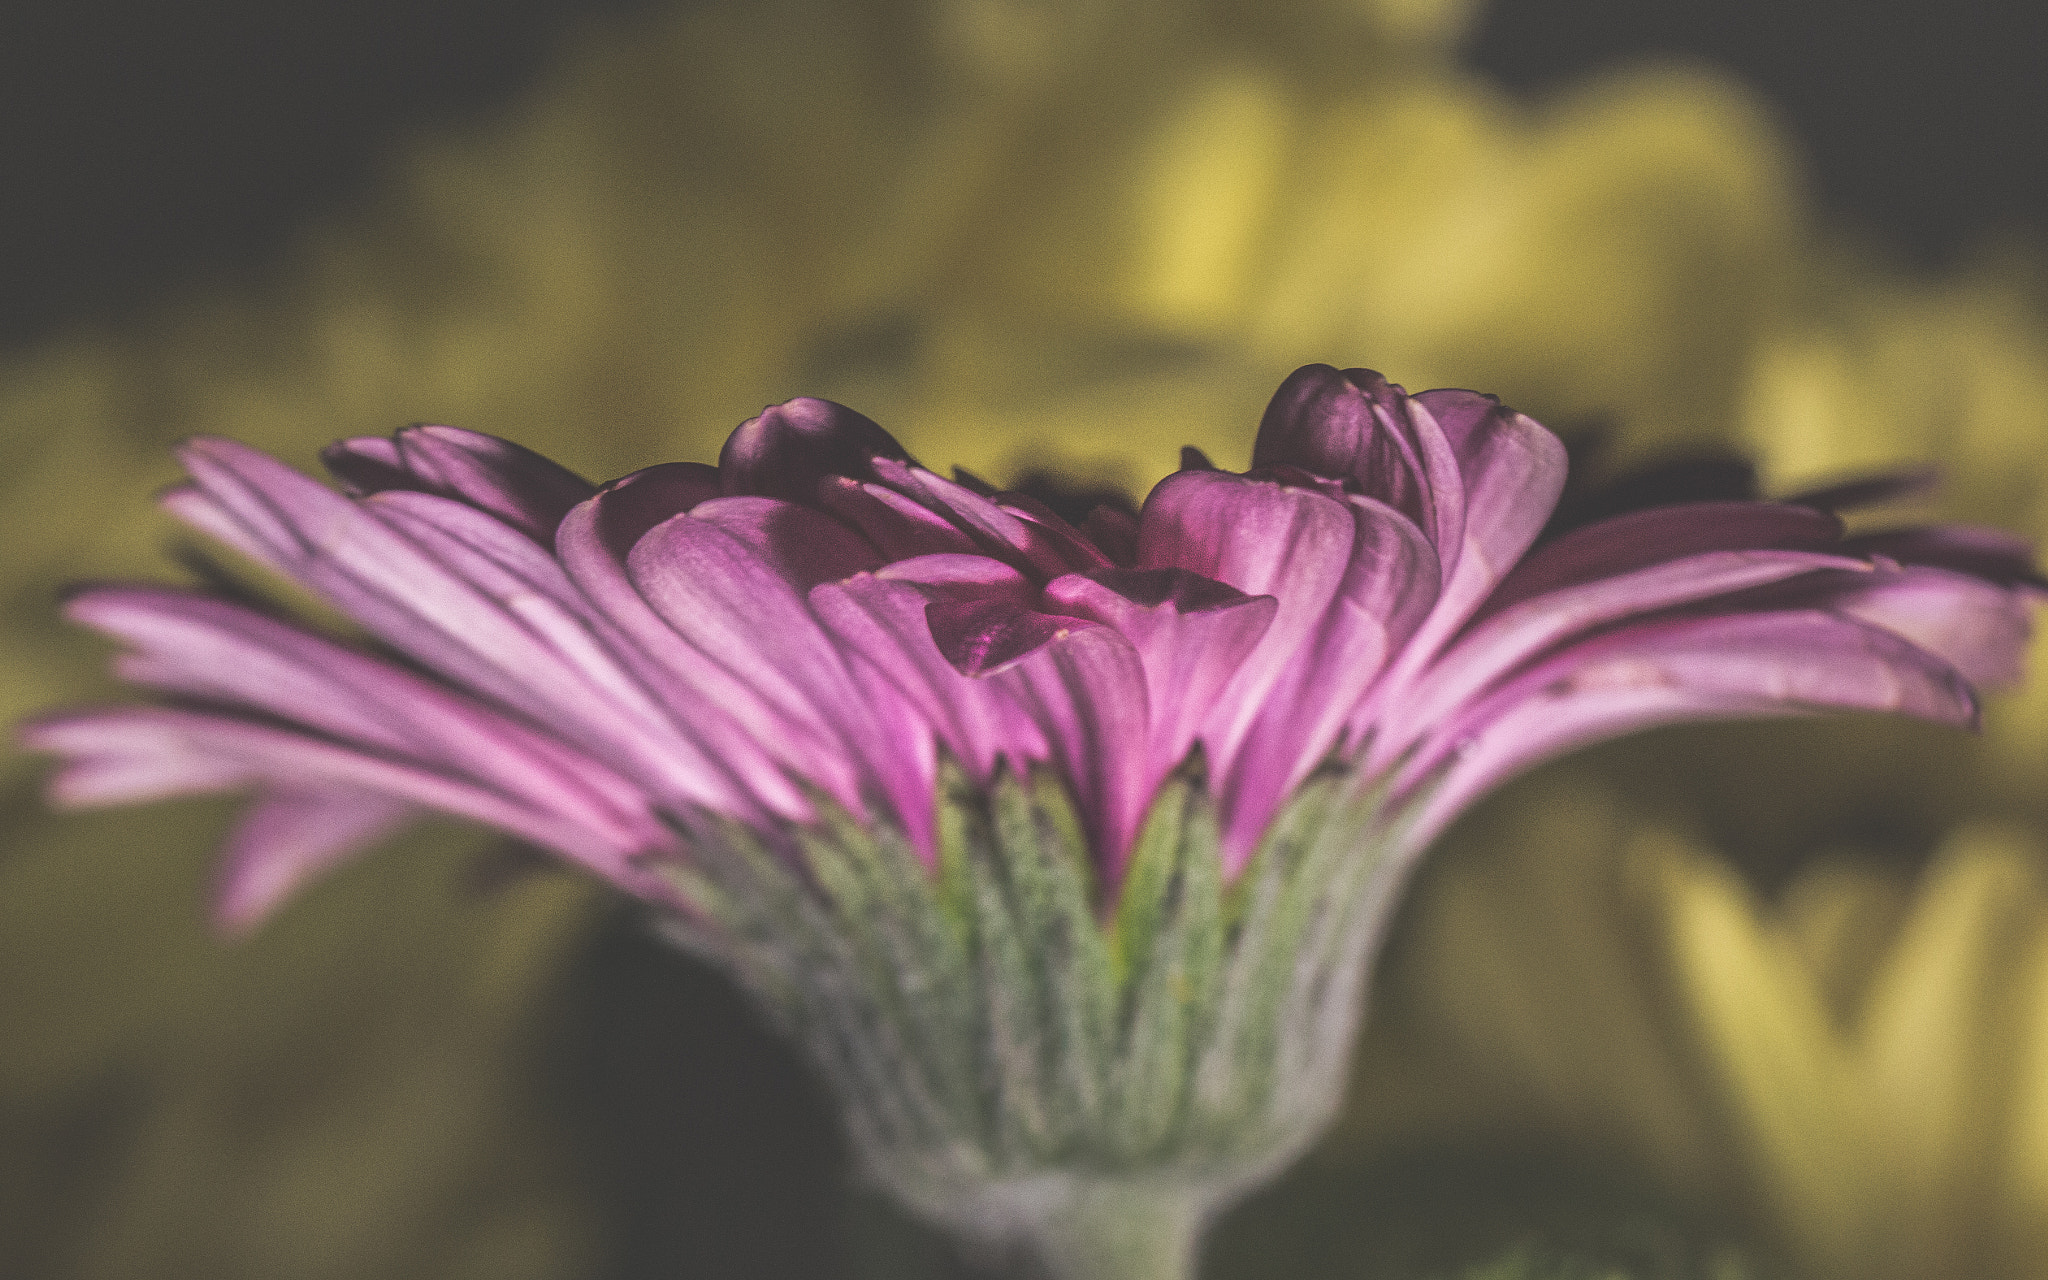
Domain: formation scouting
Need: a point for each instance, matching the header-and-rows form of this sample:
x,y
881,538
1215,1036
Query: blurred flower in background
x,y
1801,1017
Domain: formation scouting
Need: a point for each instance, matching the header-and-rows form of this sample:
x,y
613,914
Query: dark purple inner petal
x,y
982,637
631,505
1186,592
785,451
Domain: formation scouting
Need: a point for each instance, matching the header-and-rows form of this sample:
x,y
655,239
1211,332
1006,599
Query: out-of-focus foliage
x,y
1087,234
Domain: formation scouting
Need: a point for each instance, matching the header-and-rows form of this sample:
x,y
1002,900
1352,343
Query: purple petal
x,y
1265,539
998,530
368,464
790,447
635,503
732,605
1639,539
287,838
483,607
1086,691
591,697
1991,554
1115,531
900,528
981,637
881,623
206,648
1513,471
515,484
1736,666
1979,628
1191,633
1357,426
746,736
1505,640
1389,586
804,546
124,754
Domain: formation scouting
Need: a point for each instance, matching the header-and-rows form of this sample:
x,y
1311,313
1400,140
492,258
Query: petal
x,y
1262,538
1979,628
1513,471
1357,426
515,484
286,838
745,735
368,464
1495,647
635,503
881,623
996,529
792,446
205,648
1991,554
125,754
804,546
730,603
594,699
1191,633
1735,666
468,629
981,637
1086,691
900,528
1389,586
1639,539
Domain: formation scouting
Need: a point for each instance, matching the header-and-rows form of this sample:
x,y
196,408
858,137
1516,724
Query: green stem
x,y
1113,1230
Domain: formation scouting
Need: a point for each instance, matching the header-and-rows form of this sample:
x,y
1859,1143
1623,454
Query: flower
x,y
891,746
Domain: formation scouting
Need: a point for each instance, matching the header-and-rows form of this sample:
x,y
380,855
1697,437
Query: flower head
x,y
842,716
818,615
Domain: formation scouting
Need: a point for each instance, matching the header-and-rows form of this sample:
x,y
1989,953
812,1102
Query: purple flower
x,y
820,619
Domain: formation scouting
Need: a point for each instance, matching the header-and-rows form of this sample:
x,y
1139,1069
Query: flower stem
x,y
1119,1231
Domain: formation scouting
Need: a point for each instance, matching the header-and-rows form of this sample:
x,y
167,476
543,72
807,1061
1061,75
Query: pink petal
x,y
998,530
1506,639
1262,538
592,697
517,485
746,735
1978,627
287,838
804,546
1191,634
731,604
880,623
205,648
1086,691
633,504
981,637
1734,666
125,754
900,528
1991,554
1640,539
790,447
1357,426
1389,587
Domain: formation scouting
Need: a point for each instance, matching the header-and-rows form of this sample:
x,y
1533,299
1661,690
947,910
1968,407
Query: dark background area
x,y
144,146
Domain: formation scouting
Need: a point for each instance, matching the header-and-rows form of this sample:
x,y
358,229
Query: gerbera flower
x,y
1059,845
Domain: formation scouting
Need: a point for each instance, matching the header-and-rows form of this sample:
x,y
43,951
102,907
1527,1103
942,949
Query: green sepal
x,y
996,1031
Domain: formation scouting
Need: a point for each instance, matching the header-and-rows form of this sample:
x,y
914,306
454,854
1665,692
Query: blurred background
x,y
1716,1001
